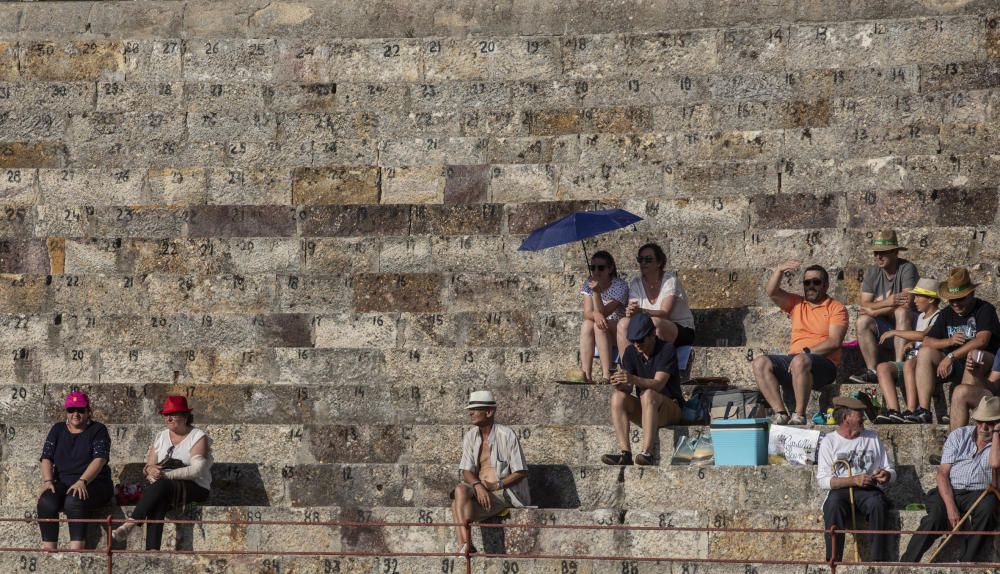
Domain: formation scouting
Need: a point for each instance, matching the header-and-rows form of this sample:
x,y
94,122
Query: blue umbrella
x,y
577,227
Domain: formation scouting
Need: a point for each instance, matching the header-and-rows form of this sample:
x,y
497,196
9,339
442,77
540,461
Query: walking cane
x,y
850,493
990,488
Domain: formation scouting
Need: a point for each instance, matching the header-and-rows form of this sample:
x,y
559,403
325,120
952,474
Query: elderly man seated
x,y
853,466
966,469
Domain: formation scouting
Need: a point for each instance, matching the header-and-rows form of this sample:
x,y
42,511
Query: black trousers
x,y
157,499
871,505
937,519
50,504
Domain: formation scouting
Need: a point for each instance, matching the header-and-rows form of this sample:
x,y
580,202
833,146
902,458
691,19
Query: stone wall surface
x,y
304,216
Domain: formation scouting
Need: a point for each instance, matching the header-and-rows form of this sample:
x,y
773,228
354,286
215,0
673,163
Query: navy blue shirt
x,y
664,360
71,454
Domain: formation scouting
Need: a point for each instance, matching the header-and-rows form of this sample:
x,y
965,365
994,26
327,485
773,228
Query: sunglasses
x,y
645,259
76,410
812,282
597,267
962,300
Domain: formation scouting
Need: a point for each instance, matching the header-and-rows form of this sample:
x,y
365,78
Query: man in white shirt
x,y
870,472
493,469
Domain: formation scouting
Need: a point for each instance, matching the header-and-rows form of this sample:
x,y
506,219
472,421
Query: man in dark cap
x,y
853,467
646,391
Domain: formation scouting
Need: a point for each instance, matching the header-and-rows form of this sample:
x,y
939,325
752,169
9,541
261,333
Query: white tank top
x,y
182,452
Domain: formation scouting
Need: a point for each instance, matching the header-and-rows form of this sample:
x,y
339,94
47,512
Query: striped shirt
x,y
970,470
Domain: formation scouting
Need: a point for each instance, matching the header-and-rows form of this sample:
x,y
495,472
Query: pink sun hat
x,y
76,399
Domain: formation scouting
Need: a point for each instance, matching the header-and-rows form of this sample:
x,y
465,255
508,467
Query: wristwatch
x,y
950,356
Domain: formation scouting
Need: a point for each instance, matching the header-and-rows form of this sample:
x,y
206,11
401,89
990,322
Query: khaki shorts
x,y
498,504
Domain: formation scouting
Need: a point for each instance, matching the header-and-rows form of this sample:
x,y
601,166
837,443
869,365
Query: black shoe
x,y
885,419
944,419
907,417
623,458
921,415
866,378
934,459
898,417
644,459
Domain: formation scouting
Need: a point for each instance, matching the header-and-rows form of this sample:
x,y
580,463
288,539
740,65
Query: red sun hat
x,y
175,404
76,399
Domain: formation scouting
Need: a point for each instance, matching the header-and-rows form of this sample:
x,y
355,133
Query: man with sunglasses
x,y
968,324
819,324
885,303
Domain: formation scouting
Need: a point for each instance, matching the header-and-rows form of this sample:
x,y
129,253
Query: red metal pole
x,y
468,547
110,567
833,549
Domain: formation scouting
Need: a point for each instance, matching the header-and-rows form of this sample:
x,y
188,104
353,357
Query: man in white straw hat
x,y
493,469
970,456
966,326
884,302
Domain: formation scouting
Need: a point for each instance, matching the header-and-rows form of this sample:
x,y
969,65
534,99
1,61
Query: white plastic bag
x,y
792,445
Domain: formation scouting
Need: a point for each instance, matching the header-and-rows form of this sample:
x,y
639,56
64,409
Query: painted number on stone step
x,y
720,521
568,567
272,565
447,565
510,567
779,521
217,566
390,566
7,433
666,520
28,564
689,568
701,473
331,566
630,567
390,50
749,569
425,517
19,393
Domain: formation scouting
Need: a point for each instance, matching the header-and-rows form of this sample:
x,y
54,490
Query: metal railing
x,y
109,551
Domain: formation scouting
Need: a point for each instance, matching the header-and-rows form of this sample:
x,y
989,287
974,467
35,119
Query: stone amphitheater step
x,y
256,536
569,444
778,488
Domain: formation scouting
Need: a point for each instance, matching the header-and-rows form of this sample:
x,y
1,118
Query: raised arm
x,y
781,297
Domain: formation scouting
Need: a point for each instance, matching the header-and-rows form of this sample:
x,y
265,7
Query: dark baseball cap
x,y
639,327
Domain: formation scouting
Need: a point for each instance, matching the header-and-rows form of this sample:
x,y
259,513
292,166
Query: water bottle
x,y
970,327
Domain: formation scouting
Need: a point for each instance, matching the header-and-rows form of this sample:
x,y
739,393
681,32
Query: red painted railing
x,y
109,551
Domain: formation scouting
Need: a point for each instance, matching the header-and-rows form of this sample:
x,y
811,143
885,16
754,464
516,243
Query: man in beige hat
x,y
493,469
893,373
968,324
851,446
971,454
884,302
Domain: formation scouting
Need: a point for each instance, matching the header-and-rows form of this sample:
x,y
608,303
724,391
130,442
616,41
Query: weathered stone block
x,y
347,221
785,211
397,292
413,185
229,60
335,185
30,155
80,60
485,219
241,221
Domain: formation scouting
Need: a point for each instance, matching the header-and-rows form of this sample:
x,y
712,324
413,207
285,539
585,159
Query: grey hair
x,y
839,414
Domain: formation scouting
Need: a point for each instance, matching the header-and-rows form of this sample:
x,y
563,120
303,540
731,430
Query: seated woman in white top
x,y
605,295
179,468
658,293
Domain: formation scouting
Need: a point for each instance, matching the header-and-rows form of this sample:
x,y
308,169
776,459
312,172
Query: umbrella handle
x,y
585,256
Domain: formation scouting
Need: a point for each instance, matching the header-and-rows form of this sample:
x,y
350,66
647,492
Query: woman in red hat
x,y
75,474
178,466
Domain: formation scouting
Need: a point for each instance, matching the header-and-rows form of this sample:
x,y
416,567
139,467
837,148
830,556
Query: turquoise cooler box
x,y
740,442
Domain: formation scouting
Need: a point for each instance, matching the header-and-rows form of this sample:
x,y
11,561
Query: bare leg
x,y
927,362
910,383
622,405
587,348
903,319
867,341
461,511
964,398
622,335
76,544
651,402
763,374
603,337
802,381
665,329
887,383
48,545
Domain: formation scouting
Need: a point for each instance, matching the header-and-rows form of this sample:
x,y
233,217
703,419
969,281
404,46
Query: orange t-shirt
x,y
811,323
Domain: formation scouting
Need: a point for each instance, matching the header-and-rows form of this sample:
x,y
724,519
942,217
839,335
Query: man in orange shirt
x,y
819,324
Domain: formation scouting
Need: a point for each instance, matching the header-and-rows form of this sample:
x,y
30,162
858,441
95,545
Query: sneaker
x,y
944,419
120,534
644,459
907,417
780,418
623,458
897,417
797,420
866,378
921,415
885,419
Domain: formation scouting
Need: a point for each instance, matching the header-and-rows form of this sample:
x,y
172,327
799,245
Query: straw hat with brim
x,y
958,285
849,403
481,400
988,410
886,241
926,287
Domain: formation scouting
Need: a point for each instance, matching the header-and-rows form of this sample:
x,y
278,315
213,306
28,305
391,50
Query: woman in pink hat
x,y
75,475
178,467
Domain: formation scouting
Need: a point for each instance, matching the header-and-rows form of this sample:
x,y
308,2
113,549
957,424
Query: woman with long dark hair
x,y
605,295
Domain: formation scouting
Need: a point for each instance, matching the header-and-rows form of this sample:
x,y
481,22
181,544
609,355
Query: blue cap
x,y
639,327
